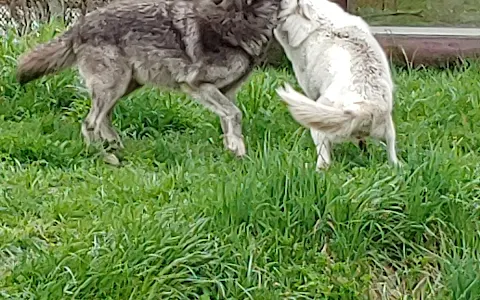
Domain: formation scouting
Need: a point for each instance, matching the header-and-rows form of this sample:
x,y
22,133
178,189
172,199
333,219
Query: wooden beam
x,y
342,3
417,46
351,6
428,45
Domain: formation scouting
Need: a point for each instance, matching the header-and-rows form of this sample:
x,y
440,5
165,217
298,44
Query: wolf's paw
x,y
235,144
322,165
111,159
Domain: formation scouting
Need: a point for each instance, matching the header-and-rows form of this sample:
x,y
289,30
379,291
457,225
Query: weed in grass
x,y
183,219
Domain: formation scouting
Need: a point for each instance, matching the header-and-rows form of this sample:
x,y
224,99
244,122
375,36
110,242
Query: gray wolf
x,y
344,73
201,47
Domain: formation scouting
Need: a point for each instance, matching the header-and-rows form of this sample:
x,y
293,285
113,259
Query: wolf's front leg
x,y
232,134
230,115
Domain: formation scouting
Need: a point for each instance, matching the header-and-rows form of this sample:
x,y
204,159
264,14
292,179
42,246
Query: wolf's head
x,y
247,24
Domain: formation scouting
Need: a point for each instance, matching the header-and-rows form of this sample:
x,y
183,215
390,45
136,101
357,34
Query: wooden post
x,y
342,3
347,5
351,6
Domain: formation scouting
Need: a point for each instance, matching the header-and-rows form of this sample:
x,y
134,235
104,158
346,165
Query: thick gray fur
x,y
204,48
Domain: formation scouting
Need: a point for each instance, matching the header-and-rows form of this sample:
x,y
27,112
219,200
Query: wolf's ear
x,y
298,29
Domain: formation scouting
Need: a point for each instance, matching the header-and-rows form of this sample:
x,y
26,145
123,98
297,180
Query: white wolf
x,y
338,62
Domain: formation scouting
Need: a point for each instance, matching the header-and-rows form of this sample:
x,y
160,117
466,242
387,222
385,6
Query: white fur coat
x,y
343,71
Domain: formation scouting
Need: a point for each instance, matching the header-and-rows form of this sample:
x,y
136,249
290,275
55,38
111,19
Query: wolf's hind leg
x,y
230,115
97,125
390,141
108,81
323,146
106,128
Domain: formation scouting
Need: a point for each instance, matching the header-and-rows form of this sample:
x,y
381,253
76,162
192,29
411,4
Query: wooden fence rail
x,y
412,45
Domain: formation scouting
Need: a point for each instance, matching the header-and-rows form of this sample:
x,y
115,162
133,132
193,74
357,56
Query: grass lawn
x,y
184,219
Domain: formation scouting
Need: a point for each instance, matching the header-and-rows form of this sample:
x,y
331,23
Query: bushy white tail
x,y
315,115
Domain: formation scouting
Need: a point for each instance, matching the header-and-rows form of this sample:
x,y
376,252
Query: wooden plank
x,y
342,3
347,5
434,46
351,6
426,31
428,45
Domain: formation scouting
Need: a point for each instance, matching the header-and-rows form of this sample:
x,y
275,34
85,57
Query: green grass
x,y
183,219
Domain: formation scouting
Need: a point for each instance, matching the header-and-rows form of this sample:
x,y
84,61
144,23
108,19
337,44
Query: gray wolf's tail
x,y
51,57
322,117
